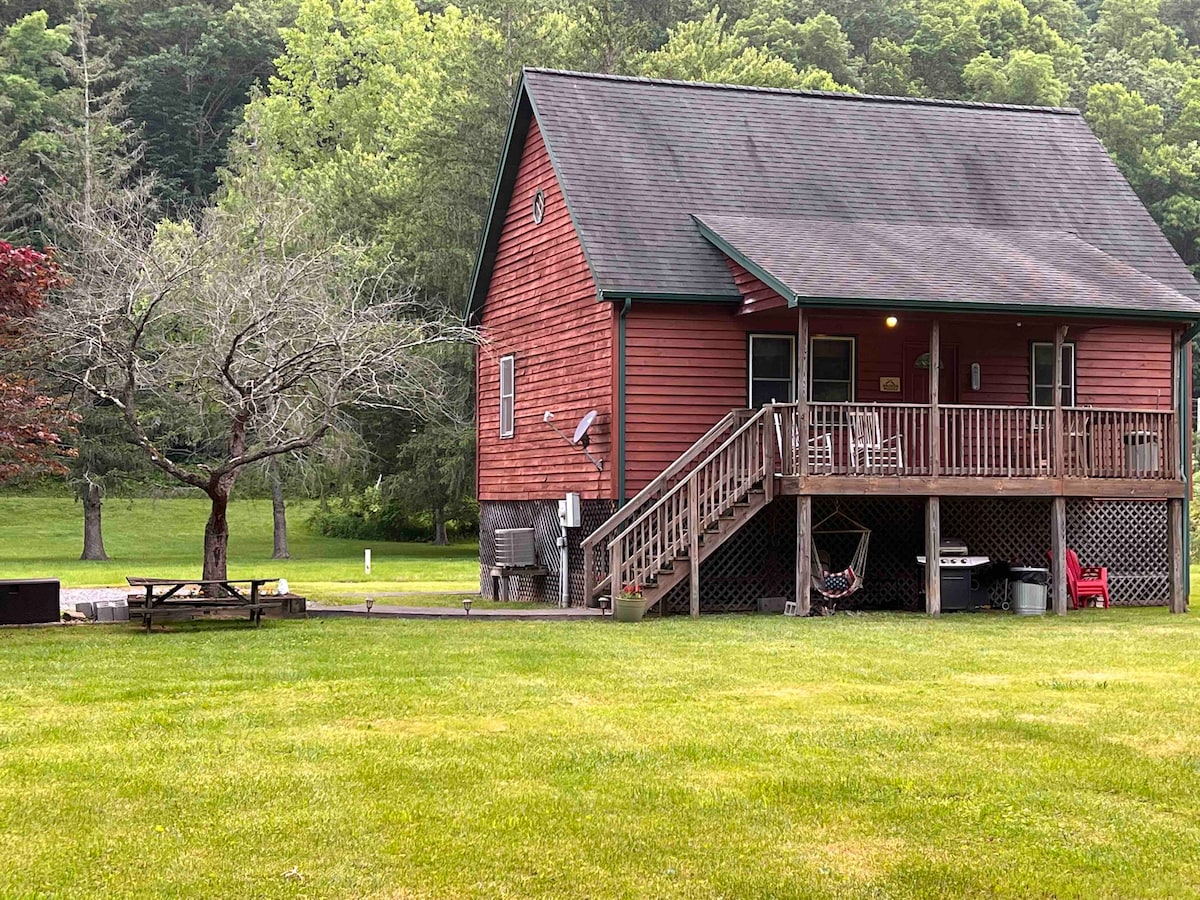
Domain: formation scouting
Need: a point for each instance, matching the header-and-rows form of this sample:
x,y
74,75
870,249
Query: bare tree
x,y
249,324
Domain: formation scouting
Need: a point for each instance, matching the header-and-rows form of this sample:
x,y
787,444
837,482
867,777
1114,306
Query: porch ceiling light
x,y
891,321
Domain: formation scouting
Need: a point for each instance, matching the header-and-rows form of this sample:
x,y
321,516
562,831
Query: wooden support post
x,y
617,563
935,378
933,541
1060,437
1178,437
1175,556
589,574
803,554
1058,554
768,438
693,548
802,399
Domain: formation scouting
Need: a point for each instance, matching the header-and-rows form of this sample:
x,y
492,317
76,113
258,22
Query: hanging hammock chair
x,y
833,585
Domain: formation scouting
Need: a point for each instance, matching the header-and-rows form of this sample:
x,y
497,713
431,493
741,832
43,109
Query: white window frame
x,y
846,339
766,335
508,399
1069,386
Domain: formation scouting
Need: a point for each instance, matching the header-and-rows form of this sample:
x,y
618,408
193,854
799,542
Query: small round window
x,y
539,207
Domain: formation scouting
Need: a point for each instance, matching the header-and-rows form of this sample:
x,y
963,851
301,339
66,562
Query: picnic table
x,y
162,600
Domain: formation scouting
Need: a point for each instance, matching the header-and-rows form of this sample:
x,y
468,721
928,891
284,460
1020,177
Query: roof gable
x,y
638,158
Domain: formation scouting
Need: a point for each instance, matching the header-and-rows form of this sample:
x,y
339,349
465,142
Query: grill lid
x,y
952,547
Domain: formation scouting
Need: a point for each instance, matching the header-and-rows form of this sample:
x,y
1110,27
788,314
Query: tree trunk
x,y
93,531
278,513
439,528
216,534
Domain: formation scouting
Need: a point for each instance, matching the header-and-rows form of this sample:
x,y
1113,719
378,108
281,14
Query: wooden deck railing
x,y
1120,443
856,439
669,528
979,441
595,545
1009,441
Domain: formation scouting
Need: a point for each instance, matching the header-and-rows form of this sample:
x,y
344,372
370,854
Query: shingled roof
x,y
832,197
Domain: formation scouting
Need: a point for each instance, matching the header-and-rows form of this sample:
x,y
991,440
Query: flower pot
x,y
628,609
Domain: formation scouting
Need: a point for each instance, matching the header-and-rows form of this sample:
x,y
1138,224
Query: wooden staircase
x,y
661,536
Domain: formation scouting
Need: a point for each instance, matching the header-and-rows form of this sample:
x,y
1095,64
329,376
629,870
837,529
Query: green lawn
x,y
42,537
744,757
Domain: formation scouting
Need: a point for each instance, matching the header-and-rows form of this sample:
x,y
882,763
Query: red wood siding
x,y
685,368
542,307
1118,365
756,296
1125,365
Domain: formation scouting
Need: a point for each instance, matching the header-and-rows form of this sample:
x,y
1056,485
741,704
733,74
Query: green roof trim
x,y
617,295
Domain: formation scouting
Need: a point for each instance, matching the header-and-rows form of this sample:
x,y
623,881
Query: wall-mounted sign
x,y
889,385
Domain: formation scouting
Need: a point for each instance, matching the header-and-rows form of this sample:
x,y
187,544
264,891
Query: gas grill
x,y
962,587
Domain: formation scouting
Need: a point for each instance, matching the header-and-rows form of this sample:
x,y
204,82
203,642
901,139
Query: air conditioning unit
x,y
515,547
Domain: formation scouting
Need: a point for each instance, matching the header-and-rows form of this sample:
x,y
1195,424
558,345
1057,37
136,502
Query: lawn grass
x,y
42,537
746,757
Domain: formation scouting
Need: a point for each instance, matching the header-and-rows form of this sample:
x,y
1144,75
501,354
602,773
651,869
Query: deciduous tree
x,y
248,322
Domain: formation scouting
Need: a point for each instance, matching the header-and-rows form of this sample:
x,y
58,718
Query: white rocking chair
x,y
870,452
820,448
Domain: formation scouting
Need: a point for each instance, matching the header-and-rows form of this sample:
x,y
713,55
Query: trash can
x,y
1028,588
1141,452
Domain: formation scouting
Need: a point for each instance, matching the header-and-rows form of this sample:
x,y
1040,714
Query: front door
x,y
915,378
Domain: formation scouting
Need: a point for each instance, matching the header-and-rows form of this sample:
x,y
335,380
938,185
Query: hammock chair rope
x,y
834,585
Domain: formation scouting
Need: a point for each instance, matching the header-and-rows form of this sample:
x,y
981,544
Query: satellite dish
x,y
581,429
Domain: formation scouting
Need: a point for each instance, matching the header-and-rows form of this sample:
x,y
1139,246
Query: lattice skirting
x,y
758,562
542,517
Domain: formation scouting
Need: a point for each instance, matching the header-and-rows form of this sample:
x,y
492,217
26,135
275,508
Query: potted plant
x,y
629,605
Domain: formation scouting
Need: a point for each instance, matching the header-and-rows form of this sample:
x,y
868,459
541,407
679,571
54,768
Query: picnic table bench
x,y
161,600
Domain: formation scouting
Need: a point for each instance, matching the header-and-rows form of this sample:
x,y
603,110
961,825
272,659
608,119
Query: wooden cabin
x,y
941,319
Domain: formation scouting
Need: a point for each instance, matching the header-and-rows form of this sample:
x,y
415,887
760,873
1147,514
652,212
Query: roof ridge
x,y
821,95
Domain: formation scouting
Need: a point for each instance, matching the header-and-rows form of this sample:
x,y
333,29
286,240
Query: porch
x,y
812,446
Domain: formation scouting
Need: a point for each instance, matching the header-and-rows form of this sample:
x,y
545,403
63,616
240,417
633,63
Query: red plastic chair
x,y
1085,582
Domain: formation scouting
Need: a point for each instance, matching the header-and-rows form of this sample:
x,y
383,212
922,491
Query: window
x,y
1041,374
507,395
772,369
831,370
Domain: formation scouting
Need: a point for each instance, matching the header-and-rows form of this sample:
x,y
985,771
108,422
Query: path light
x,y
467,604
370,603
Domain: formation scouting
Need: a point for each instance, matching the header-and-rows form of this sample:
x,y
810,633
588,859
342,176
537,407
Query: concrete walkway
x,y
381,611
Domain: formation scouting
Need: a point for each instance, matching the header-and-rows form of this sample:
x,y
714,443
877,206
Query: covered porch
x,y
931,446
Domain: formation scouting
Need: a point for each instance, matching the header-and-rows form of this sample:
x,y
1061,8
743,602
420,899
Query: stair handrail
x,y
685,483
636,504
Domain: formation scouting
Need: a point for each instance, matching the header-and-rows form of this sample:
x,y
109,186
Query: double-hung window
x,y
772,369
772,377
831,369
1041,374
507,394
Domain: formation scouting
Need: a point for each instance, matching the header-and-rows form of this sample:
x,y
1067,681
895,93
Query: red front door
x,y
915,377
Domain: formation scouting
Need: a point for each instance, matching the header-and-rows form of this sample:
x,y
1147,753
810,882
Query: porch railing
x,y
978,441
595,546
669,528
